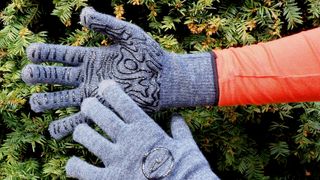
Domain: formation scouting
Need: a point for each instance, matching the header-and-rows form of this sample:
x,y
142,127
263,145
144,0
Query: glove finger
x,y
54,100
39,52
179,128
102,116
63,127
77,168
93,141
106,24
125,107
69,76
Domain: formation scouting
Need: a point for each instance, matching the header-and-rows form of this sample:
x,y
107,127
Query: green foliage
x,y
63,9
292,13
278,141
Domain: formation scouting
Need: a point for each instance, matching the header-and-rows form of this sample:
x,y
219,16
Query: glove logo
x,y
157,163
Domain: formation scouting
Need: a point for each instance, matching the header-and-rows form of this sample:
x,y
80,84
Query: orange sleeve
x,y
283,70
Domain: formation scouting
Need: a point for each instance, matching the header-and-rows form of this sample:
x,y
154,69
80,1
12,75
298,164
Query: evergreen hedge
x,y
276,141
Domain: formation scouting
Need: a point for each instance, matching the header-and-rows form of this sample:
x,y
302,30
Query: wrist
x,y
188,80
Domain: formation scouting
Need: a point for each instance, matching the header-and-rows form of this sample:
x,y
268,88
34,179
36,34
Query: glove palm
x,y
152,77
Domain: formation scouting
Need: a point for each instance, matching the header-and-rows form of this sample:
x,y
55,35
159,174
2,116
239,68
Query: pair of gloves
x,y
131,74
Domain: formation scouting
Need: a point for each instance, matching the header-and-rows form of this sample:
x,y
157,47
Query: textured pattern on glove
x,y
139,148
135,61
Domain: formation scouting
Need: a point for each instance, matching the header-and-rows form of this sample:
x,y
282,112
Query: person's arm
x,y
283,70
156,79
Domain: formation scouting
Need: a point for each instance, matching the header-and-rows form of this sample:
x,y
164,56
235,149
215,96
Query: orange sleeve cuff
x,y
283,70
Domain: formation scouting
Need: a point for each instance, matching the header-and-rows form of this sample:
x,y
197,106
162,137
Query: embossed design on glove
x,y
151,164
152,77
134,61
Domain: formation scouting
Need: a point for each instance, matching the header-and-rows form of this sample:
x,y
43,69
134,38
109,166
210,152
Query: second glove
x,y
138,148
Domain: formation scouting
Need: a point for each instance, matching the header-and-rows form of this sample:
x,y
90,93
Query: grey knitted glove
x,y
139,148
152,77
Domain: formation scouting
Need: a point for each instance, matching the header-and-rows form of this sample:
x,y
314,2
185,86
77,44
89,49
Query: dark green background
x,y
278,141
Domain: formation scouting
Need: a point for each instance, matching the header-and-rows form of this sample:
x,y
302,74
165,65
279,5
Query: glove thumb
x,y
179,129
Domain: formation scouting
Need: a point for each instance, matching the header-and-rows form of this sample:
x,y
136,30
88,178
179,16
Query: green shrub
x,y
278,141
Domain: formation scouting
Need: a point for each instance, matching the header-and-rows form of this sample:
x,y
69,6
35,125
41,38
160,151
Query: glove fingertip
x,y
27,75
53,131
80,169
179,128
106,85
86,14
71,166
32,51
35,103
177,119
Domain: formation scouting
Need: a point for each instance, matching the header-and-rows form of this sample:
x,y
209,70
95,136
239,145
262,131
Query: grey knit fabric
x,y
152,77
138,148
188,80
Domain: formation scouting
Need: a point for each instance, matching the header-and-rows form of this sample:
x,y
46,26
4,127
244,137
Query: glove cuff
x,y
189,80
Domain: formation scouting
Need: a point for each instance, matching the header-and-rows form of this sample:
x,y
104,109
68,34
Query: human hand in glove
x,y
138,148
151,76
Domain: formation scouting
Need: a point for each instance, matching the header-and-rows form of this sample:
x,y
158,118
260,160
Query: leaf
x,y
279,149
292,13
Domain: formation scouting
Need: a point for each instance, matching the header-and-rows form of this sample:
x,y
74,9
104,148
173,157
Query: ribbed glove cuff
x,y
189,80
